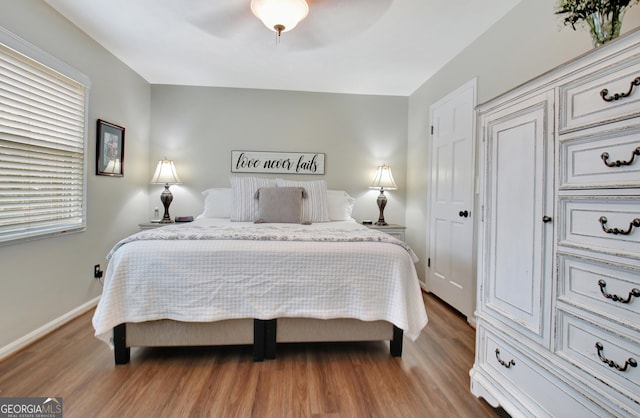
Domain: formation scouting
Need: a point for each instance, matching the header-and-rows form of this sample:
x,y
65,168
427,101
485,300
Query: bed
x,y
224,281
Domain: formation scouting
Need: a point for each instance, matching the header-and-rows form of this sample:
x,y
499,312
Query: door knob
x,y
546,219
463,213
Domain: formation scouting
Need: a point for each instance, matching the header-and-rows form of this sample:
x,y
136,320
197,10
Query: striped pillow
x,y
315,208
244,205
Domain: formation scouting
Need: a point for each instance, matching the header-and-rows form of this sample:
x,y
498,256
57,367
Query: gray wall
x,y
199,127
528,41
45,279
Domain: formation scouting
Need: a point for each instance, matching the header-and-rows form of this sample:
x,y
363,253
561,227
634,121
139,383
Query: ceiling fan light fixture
x,y
280,15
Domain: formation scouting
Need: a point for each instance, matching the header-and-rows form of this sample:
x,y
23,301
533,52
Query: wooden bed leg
x,y
395,345
121,353
258,339
270,339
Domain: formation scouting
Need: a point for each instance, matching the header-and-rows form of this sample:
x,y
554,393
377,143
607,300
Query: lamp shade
x,y
165,173
383,179
280,15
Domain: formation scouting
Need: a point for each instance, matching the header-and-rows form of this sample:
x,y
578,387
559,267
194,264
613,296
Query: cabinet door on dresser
x,y
518,207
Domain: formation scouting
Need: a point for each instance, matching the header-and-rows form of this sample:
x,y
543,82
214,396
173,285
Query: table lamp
x,y
166,174
383,181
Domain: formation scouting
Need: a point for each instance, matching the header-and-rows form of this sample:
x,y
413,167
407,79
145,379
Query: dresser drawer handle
x,y
630,362
505,363
634,293
618,163
619,96
616,231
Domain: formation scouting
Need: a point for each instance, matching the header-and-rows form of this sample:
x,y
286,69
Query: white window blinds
x,y
42,149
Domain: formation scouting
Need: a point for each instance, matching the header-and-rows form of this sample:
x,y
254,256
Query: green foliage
x,y
579,11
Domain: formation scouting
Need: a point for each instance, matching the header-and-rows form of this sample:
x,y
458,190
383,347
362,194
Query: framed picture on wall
x,y
110,149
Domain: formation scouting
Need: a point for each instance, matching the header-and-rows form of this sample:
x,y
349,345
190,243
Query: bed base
x,y
262,334
295,330
169,333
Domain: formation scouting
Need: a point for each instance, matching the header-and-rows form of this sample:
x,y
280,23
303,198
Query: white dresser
x,y
558,313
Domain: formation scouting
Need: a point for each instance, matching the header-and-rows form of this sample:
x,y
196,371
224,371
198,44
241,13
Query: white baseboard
x,y
471,320
35,335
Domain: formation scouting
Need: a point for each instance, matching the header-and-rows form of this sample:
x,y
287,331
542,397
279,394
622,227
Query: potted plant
x,y
603,17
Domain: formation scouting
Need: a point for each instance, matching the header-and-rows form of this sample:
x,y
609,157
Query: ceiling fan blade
x,y
225,19
330,21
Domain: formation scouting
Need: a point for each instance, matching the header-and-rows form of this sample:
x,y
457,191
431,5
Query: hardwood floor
x,y
306,380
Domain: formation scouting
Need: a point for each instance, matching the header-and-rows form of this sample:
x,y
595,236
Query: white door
x,y
450,271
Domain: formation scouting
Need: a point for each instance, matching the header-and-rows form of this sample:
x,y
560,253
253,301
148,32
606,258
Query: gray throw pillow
x,y
280,204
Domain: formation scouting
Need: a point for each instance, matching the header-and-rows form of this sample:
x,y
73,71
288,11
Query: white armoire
x,y
558,310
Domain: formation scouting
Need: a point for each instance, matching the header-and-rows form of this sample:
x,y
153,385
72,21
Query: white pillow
x,y
340,205
315,208
217,203
244,205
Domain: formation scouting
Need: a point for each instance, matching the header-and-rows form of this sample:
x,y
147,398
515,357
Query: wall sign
x,y
277,162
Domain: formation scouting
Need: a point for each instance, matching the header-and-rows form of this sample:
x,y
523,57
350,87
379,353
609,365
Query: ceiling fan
x,y
280,15
327,21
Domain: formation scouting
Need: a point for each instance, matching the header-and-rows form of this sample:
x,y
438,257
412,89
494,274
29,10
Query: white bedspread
x,y
214,269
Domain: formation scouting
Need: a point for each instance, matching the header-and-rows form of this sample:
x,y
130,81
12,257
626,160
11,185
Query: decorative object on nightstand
x,y
396,231
383,181
166,174
184,219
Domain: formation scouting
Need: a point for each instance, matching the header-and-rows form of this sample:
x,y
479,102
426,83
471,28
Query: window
x,y
43,137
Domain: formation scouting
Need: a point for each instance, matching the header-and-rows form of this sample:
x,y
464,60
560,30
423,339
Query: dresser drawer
x,y
527,380
601,288
603,352
601,161
582,104
606,224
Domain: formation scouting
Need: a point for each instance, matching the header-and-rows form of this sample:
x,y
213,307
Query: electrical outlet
x,y
97,273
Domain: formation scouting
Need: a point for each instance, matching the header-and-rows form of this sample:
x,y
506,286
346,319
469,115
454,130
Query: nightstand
x,y
152,225
395,230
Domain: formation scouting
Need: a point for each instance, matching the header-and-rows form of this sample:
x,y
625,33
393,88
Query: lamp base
x,y
382,202
166,198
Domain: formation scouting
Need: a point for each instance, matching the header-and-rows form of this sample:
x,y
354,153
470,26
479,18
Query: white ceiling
x,y
380,47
